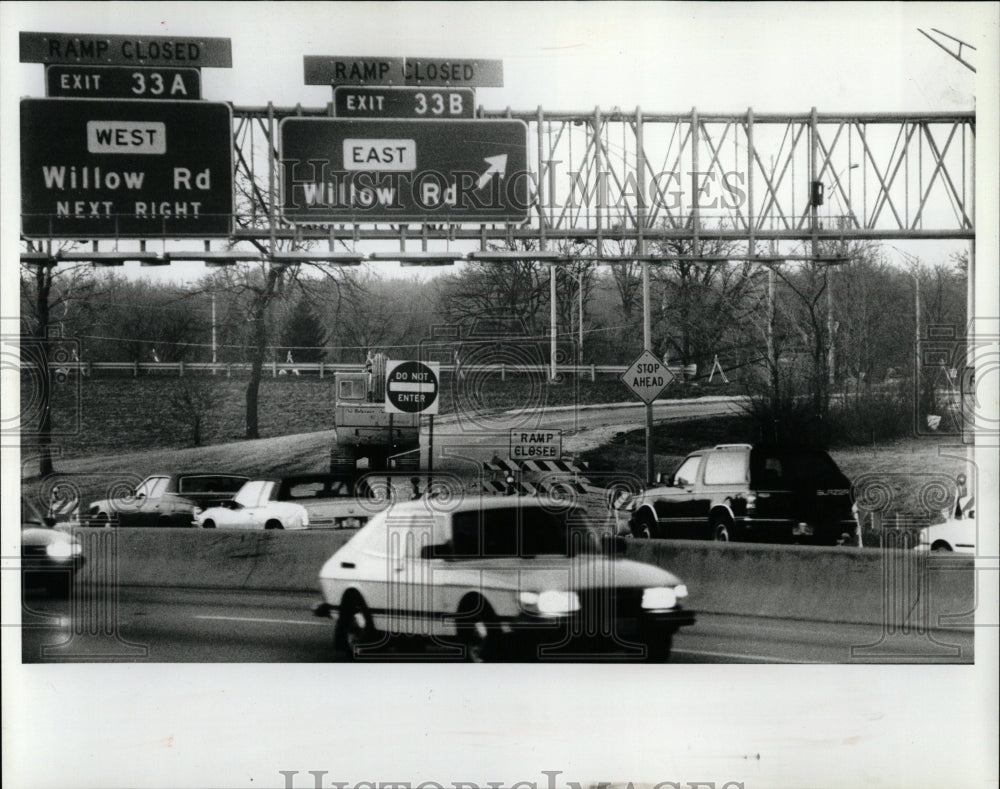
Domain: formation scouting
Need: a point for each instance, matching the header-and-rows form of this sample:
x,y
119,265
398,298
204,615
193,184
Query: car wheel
x,y
942,546
209,524
479,632
273,524
354,626
646,526
658,647
721,528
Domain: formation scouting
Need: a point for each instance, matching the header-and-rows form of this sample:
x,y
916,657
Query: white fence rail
x,y
323,369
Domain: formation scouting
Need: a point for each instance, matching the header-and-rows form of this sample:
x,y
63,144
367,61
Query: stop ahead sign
x,y
412,387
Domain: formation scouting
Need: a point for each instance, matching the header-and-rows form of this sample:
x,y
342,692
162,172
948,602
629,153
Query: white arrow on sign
x,y
406,386
497,164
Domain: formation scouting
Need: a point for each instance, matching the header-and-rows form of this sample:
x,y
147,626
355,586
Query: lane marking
x,y
261,619
738,656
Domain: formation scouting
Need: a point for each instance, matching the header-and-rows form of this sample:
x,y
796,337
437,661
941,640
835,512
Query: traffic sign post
x,y
412,387
345,170
647,376
125,168
389,102
535,444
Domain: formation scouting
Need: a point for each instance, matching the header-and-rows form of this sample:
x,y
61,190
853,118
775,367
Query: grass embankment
x,y
107,415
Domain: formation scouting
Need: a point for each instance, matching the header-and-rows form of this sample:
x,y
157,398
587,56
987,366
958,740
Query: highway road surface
x,y
179,626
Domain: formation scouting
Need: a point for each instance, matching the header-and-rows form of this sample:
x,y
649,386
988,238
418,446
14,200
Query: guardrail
x,y
321,369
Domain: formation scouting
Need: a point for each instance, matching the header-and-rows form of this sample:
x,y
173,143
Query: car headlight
x,y
63,550
550,603
659,598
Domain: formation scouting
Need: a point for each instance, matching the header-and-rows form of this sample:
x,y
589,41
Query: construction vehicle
x,y
368,438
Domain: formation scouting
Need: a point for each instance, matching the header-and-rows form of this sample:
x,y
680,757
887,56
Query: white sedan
x,y
303,502
957,534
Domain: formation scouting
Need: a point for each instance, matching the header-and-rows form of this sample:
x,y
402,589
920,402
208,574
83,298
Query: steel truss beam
x,y
604,180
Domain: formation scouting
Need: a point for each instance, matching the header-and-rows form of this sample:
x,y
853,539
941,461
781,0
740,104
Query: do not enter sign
x,y
412,387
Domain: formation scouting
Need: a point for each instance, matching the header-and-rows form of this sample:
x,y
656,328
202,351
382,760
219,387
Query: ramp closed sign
x,y
535,444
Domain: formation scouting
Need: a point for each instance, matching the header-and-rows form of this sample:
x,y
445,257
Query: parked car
x,y
165,500
312,501
956,534
496,578
50,557
736,492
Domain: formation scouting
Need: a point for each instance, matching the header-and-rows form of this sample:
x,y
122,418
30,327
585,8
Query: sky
x,y
664,57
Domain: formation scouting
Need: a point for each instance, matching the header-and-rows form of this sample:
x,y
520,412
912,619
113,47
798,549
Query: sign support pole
x,y
430,452
647,331
388,444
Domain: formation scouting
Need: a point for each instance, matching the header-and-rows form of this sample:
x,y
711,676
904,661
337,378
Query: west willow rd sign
x,y
335,170
108,169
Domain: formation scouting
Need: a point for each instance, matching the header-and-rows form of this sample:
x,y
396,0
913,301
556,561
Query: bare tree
x,y
46,291
517,289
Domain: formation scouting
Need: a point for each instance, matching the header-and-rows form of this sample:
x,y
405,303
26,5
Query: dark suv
x,y
746,492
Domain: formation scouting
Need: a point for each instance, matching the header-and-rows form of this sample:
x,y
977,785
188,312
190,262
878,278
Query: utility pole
x,y
214,359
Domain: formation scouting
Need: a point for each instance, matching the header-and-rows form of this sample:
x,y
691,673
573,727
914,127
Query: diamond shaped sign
x,y
647,376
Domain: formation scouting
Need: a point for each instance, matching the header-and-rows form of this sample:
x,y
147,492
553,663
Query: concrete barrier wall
x,y
211,559
849,585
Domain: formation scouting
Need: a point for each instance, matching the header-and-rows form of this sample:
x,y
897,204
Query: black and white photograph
x,y
645,352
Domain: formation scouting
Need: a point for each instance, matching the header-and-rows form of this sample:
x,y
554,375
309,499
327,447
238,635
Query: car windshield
x,y
794,468
210,483
252,493
320,488
522,532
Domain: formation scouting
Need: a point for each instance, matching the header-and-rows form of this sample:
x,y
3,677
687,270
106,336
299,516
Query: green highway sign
x,y
346,170
390,102
401,72
95,49
125,168
122,82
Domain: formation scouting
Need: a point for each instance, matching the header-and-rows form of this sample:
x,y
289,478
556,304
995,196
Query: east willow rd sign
x,y
125,168
337,170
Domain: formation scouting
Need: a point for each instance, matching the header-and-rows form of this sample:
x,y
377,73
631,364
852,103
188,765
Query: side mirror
x,y
613,545
436,551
